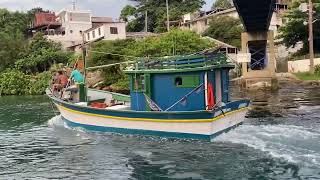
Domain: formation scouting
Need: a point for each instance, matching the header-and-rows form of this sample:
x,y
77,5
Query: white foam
x,y
56,122
293,143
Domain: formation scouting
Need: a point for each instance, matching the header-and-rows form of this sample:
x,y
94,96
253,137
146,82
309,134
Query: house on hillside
x,y
106,31
70,27
199,21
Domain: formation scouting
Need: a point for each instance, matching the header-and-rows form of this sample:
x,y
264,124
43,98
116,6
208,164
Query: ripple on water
x,y
295,144
267,146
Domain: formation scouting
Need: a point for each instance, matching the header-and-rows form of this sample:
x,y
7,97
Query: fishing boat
x,y
174,97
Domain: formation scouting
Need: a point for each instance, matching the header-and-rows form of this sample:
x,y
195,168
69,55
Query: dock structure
x,y
257,40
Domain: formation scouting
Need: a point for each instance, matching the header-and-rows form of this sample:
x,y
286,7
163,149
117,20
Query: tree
x,y
226,29
157,13
223,4
176,42
12,28
296,30
126,12
40,54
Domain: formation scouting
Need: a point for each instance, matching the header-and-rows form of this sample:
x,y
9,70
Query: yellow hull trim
x,y
155,120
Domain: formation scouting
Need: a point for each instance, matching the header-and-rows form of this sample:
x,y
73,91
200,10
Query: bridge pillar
x,y
261,70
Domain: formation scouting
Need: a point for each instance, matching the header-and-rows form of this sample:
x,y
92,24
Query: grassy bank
x,y
305,76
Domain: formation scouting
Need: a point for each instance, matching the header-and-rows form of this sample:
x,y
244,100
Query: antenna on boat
x,y
168,19
84,54
146,21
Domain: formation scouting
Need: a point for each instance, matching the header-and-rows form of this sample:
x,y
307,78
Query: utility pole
x,y
168,19
310,22
146,21
74,5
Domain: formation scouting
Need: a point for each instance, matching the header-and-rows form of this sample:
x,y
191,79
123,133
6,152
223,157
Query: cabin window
x,y
113,30
187,81
178,81
139,82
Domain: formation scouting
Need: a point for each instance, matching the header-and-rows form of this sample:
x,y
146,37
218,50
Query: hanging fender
x,y
211,101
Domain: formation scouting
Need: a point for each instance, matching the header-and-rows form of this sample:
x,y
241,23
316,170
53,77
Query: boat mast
x,y
84,54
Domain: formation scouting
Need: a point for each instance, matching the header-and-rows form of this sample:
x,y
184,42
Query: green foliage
x,y
306,76
40,83
223,4
157,13
127,11
37,55
13,82
176,42
226,29
12,39
296,31
40,54
122,84
317,70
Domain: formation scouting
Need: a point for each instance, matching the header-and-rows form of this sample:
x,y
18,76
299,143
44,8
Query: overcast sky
x,y
98,7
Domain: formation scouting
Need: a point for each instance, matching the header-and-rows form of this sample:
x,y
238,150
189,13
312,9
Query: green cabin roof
x,y
176,64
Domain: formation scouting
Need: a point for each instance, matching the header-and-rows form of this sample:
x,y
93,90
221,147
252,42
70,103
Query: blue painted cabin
x,y
179,83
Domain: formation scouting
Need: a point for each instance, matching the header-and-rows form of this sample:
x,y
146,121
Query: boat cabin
x,y
180,83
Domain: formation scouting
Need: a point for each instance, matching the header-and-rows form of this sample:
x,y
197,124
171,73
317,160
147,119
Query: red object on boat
x,y
210,96
98,105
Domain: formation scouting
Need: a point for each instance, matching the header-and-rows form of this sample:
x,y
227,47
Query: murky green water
x,y
279,140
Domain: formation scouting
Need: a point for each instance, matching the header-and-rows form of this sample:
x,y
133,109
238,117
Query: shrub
x,y
317,69
40,83
13,82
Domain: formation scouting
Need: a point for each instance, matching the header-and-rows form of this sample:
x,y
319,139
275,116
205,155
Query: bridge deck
x,y
255,14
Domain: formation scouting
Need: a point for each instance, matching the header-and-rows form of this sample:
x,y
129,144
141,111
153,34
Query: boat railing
x,y
183,62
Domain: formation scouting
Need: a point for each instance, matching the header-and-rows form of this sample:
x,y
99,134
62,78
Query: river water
x,y
280,139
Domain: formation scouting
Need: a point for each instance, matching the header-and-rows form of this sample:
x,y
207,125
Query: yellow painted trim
x,y
155,120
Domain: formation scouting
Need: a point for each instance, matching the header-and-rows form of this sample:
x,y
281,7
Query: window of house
x,y
88,36
187,81
113,30
99,31
139,82
93,34
71,31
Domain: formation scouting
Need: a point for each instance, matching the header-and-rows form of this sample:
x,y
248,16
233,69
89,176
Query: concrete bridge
x,y
258,40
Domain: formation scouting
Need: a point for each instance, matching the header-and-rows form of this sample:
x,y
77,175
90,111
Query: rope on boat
x,y
184,97
99,52
150,57
109,65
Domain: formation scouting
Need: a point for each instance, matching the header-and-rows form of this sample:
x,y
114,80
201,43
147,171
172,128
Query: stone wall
x,y
301,65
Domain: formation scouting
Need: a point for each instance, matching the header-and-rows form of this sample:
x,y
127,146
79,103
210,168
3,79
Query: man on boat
x,y
73,89
61,81
77,76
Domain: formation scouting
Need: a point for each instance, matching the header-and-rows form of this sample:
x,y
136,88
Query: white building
x,y
79,25
199,21
73,24
106,31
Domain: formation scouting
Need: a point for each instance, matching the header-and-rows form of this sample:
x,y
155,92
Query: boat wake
x,y
295,144
57,122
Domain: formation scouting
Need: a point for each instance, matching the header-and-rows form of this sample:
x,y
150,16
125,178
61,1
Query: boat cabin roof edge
x,y
182,70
